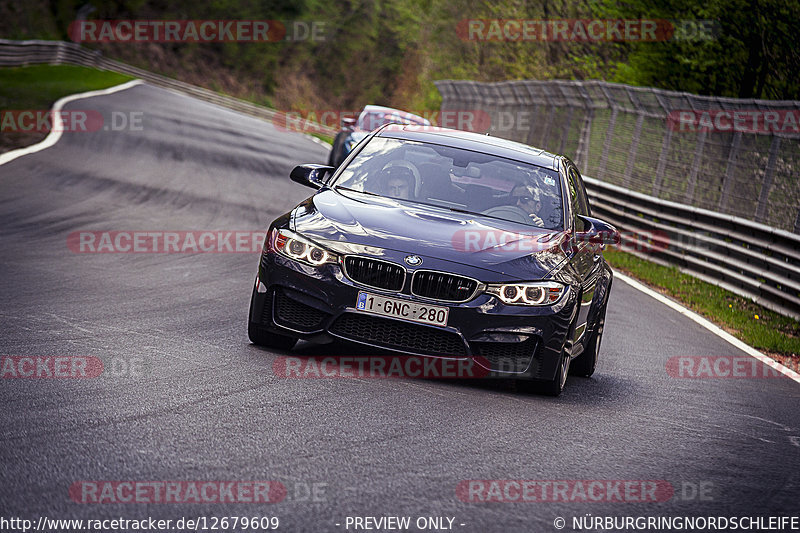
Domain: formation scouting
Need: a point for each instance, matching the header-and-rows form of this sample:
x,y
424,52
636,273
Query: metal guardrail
x,y
746,258
734,181
20,53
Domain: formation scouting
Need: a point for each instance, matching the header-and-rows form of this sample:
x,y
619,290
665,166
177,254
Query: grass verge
x,y
324,138
776,335
37,87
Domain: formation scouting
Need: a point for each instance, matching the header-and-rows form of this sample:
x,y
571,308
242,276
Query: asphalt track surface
x,y
205,404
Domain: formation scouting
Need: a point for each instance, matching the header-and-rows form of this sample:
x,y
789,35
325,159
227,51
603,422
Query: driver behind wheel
x,y
527,198
397,182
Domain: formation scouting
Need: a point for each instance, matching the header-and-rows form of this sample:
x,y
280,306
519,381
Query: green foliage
x,y
388,52
39,86
751,52
752,323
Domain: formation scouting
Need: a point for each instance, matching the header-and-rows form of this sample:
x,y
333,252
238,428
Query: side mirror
x,y
348,123
310,175
597,231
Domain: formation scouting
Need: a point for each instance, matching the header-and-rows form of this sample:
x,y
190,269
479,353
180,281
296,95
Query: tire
x,y
584,365
552,387
261,336
556,386
335,156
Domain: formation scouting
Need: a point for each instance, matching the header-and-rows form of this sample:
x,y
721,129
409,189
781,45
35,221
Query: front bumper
x,y
318,304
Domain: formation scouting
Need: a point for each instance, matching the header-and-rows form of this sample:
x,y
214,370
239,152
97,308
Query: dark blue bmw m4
x,y
445,244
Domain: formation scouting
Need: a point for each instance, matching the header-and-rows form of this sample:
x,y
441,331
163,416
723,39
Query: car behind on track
x,y
371,117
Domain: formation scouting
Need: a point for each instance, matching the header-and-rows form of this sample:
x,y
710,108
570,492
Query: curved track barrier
x,y
749,259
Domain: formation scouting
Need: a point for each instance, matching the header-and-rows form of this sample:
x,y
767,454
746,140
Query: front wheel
x,y
261,336
552,387
585,364
556,386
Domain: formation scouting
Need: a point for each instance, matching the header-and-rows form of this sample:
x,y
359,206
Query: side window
x,y
577,197
583,201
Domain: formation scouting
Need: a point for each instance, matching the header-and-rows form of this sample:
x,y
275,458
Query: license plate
x,y
413,311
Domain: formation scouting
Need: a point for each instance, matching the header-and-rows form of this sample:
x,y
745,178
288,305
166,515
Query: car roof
x,y
379,109
382,109
472,141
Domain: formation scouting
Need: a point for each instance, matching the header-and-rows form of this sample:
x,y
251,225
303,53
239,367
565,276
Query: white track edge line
x,y
55,134
318,141
710,326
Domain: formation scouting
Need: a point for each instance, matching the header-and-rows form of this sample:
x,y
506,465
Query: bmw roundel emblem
x,y
413,260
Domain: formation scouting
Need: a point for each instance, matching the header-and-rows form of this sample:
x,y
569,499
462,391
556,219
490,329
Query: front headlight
x,y
528,292
297,248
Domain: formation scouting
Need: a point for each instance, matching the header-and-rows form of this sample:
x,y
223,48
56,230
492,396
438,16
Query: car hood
x,y
351,222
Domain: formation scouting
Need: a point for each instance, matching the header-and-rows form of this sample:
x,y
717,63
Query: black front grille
x,y
507,356
297,315
374,273
398,335
442,286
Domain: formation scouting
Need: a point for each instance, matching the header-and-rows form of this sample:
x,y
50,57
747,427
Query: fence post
x,y
637,132
582,155
565,130
550,119
601,170
531,88
698,158
729,169
665,145
766,185
59,55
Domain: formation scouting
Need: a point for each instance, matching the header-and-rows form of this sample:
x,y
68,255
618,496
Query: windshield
x,y
456,179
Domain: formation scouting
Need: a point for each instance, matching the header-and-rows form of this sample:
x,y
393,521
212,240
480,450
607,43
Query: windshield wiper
x,y
361,192
464,211
457,210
